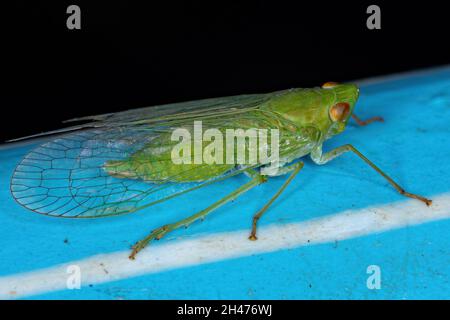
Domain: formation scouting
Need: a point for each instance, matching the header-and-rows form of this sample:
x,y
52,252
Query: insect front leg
x,y
157,234
294,169
367,121
321,158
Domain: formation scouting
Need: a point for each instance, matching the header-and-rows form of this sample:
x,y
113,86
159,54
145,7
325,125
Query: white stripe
x,y
221,246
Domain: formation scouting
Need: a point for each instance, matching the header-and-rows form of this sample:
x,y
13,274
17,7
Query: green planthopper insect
x,y
123,162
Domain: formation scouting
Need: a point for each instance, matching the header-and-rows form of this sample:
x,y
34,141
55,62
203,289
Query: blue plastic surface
x,y
413,145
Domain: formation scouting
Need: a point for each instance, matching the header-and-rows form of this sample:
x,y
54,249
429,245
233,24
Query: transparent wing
x,y
171,114
168,113
65,177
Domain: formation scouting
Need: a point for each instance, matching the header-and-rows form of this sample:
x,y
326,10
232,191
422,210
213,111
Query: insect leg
x,y
366,122
295,168
320,158
157,234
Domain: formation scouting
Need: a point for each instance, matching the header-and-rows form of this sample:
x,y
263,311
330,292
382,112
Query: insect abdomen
x,y
154,163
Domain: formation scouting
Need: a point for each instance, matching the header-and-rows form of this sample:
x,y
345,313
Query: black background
x,y
129,55
282,309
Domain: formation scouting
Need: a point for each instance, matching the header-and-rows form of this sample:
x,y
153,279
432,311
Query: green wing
x,y
64,177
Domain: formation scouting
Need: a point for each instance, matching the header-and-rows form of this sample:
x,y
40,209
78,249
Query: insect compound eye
x,y
340,111
329,85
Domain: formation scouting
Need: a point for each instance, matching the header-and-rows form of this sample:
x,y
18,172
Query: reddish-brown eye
x,y
328,85
340,111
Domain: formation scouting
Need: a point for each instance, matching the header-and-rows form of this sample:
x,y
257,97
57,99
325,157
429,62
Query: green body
x,y
302,117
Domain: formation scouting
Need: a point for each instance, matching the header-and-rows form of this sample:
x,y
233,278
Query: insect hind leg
x,y
160,232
